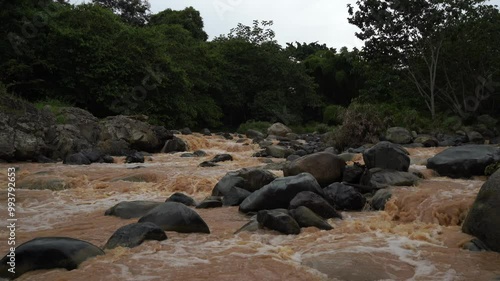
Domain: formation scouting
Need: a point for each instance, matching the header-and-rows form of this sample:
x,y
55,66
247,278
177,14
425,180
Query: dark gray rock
x,y
173,216
76,159
315,203
344,197
387,155
381,178
181,198
186,131
483,219
279,193
464,161
353,173
380,198
398,135
206,132
94,155
48,253
235,196
277,151
131,209
208,164
174,145
209,204
325,167
278,129
200,153
187,155
108,159
278,220
250,179
253,134
135,157
307,218
132,235
221,158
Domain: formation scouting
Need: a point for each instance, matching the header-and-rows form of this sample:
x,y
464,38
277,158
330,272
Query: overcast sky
x,y
307,21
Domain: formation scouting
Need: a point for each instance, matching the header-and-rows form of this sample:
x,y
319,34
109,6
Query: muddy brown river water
x,y
417,237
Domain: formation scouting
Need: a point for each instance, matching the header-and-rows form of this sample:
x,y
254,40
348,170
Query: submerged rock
x,y
380,198
132,235
48,253
307,218
278,220
131,209
173,216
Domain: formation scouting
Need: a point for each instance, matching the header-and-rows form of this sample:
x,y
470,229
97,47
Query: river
x,y
417,237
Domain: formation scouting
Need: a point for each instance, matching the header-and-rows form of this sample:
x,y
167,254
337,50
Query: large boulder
x,y
173,216
48,253
315,203
483,219
325,167
279,220
344,197
398,135
250,179
131,209
139,135
387,155
132,235
23,130
381,178
75,130
279,193
278,129
464,161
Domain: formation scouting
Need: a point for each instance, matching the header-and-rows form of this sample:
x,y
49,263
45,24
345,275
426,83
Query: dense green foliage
x,y
114,57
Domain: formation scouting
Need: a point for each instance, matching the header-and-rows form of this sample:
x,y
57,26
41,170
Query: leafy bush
x,y
362,124
53,105
254,125
334,114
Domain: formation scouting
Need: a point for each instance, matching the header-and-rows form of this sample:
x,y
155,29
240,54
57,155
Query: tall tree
x,y
135,12
189,18
407,32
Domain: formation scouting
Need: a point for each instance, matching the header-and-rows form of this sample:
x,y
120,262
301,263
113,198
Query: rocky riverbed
x,y
417,237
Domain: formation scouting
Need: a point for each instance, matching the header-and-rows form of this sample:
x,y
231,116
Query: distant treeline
x,y
114,57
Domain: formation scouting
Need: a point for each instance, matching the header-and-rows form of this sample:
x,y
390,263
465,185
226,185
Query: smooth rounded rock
x,y
173,216
131,209
48,253
132,235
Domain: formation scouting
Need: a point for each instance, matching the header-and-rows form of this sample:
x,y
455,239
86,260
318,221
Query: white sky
x,y
307,21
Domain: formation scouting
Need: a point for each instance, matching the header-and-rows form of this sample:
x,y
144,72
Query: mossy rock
x,y
491,169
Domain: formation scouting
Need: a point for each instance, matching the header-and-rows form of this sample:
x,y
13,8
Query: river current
x,y
417,237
